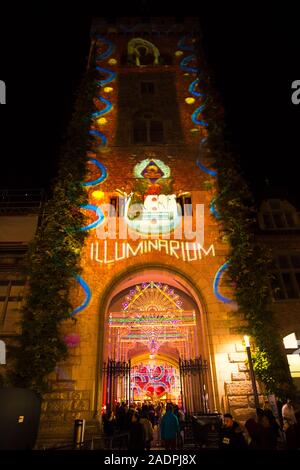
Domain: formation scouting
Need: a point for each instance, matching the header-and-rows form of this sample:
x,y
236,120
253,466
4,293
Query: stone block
x,y
55,416
70,416
44,406
251,401
80,405
243,367
238,402
237,357
236,376
238,388
56,406
62,385
243,414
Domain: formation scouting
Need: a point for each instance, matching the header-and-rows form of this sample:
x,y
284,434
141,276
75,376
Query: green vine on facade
x,y
53,258
249,260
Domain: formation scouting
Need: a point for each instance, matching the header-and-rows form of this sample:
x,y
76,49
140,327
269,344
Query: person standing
x,y
145,421
136,433
231,435
169,428
288,413
181,419
109,422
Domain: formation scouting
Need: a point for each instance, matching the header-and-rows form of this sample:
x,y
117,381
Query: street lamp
x,y
252,376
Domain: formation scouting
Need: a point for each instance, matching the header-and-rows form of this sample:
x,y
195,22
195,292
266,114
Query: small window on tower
x,y
147,129
140,131
156,131
147,88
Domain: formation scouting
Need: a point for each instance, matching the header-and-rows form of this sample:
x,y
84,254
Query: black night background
x,y
253,52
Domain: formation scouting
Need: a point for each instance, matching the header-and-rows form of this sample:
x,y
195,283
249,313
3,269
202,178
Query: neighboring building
x,y
279,229
20,214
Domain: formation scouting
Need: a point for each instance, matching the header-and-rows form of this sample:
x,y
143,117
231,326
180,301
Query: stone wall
x,y
239,398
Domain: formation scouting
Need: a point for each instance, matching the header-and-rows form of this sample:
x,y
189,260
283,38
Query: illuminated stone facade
x,y
147,132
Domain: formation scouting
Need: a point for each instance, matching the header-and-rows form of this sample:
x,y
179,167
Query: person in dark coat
x,y
231,435
109,422
253,430
274,428
267,432
137,438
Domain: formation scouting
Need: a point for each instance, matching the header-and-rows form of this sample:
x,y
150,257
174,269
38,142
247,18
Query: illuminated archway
x,y
121,347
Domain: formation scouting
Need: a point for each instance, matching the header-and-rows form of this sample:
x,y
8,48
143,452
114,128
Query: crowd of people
x,y
149,425
145,421
263,431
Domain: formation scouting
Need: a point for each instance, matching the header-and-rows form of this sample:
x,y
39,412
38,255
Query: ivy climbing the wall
x,y
249,260
53,258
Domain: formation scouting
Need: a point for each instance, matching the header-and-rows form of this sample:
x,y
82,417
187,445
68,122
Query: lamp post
x,y
252,376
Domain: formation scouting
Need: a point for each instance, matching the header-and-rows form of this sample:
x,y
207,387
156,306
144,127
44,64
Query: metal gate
x,y
194,385
116,382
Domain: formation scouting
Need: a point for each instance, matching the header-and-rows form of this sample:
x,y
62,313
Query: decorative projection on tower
x,y
151,208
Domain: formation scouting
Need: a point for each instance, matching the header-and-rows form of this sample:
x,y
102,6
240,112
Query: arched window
x,y
147,129
285,282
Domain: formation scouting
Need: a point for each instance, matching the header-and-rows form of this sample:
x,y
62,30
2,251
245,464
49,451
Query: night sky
x,y
254,54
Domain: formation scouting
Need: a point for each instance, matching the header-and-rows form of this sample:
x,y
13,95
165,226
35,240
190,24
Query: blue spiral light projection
x,y
99,214
216,283
192,88
100,135
184,64
195,116
182,44
103,173
205,169
110,47
214,211
110,75
105,110
87,299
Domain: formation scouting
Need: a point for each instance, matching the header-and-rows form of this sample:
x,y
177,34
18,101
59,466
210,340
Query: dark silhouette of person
x,y
137,438
231,435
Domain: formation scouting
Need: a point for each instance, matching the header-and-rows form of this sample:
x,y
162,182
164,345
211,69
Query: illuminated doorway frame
x,y
127,277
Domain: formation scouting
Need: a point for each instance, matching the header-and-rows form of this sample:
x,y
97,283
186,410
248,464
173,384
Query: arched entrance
x,y
155,342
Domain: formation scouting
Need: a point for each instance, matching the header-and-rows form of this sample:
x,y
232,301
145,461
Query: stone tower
x,y
150,303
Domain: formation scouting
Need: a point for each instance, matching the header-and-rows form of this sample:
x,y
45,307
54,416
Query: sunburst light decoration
x,y
152,313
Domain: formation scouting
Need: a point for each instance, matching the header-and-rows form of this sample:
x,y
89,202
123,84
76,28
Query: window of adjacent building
x,y
147,129
11,295
277,214
286,277
147,88
11,257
